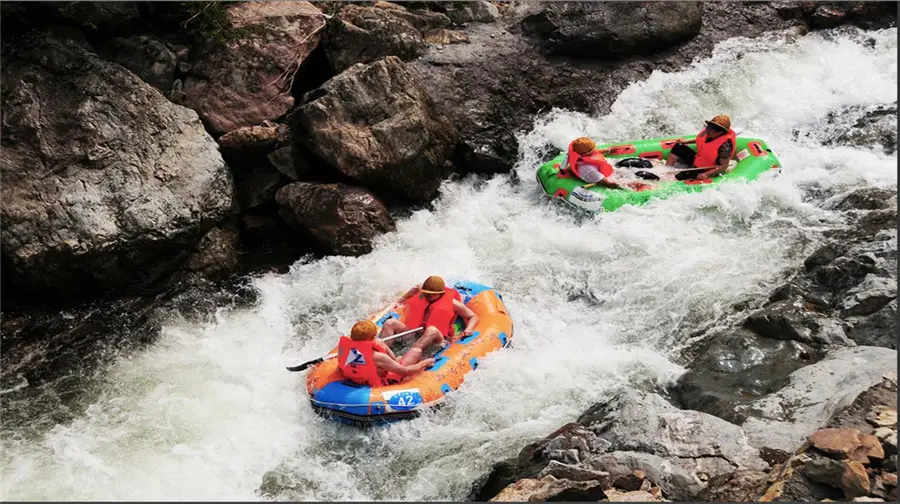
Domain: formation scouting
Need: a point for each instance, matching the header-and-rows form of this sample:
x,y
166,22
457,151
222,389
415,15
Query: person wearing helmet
x,y
715,148
364,360
433,306
589,164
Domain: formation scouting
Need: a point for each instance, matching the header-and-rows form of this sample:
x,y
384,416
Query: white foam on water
x,y
599,302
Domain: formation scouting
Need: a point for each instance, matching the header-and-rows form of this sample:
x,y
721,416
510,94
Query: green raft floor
x,y
752,158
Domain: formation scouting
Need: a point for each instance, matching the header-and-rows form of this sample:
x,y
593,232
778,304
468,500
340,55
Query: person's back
x,y
364,360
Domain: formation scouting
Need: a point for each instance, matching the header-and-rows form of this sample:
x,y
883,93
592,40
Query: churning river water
x,y
208,411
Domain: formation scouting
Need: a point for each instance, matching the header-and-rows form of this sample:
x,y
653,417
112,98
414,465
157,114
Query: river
x,y
208,412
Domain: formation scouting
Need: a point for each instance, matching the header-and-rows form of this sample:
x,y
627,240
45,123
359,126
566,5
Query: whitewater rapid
x,y
208,412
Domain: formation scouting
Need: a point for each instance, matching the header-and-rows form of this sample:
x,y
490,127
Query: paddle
x,y
305,365
653,176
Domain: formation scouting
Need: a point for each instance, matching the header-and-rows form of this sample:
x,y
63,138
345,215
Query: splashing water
x,y
599,302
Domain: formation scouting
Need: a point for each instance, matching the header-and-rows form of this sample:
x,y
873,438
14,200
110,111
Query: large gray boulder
x,y
376,124
106,183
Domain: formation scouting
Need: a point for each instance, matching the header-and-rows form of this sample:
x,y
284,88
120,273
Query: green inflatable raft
x,y
752,157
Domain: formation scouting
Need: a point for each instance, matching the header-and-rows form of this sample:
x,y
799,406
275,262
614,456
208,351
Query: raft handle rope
x,y
305,365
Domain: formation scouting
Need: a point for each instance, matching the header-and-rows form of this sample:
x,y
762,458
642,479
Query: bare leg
x,y
431,337
392,327
672,159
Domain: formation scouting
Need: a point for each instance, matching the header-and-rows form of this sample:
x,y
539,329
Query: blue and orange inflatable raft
x,y
338,399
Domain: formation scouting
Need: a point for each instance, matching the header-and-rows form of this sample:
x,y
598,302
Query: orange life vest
x,y
594,158
439,314
708,152
357,362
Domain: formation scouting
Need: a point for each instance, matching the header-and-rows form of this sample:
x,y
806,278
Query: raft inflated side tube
x,y
753,156
336,398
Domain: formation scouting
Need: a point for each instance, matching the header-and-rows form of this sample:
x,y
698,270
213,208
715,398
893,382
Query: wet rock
x,y
375,124
611,30
794,319
844,272
218,252
443,36
827,17
824,255
871,295
550,489
782,420
343,219
867,198
148,58
361,34
847,444
248,79
495,86
736,367
106,184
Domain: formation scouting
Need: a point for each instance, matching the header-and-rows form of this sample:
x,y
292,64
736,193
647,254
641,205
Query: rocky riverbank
x,y
146,142
154,152
782,407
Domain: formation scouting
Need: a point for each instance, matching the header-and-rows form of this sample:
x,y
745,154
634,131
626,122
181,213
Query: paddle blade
x,y
305,365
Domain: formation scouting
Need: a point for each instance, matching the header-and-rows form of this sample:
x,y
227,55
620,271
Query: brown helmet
x,y
433,285
583,146
722,121
364,330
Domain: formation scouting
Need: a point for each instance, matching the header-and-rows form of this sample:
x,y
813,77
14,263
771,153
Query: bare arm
x,y
719,168
386,363
467,315
385,348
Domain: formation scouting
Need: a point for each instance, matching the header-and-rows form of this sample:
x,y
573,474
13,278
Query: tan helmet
x,y
583,146
364,330
433,285
722,121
